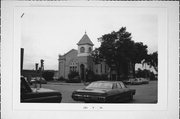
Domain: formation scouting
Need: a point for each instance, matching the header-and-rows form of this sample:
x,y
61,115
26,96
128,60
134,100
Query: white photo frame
x,y
167,106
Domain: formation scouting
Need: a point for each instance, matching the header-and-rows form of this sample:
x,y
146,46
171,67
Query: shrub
x,y
90,76
152,76
145,74
61,79
73,74
48,75
97,77
74,80
73,77
104,77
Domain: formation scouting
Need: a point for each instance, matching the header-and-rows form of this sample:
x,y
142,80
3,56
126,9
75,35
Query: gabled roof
x,y
85,40
69,52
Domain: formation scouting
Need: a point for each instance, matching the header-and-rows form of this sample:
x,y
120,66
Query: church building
x,y
80,60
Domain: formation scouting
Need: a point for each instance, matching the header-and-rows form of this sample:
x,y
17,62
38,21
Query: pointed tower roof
x,y
85,40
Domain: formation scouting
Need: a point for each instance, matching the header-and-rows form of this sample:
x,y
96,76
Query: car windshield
x,y
100,85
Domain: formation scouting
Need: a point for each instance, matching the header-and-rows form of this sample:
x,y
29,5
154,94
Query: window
x,y
90,49
73,65
114,86
100,85
70,68
122,85
82,49
118,85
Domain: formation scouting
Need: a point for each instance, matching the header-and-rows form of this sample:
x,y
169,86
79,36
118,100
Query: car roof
x,y
106,81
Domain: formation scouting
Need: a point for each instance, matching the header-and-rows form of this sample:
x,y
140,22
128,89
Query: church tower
x,y
85,47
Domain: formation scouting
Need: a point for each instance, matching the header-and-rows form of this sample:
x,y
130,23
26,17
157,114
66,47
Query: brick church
x,y
80,61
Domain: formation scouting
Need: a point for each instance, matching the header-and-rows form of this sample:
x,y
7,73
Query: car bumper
x,y
88,98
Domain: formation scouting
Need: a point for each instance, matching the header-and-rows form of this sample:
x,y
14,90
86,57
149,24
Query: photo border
x,y
167,26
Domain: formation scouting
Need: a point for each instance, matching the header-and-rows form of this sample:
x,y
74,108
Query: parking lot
x,y
145,93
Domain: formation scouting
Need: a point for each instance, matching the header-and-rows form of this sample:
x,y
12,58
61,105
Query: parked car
x,y
129,81
105,92
38,80
145,80
36,95
138,81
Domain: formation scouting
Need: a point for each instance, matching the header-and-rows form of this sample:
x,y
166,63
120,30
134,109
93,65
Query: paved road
x,y
146,93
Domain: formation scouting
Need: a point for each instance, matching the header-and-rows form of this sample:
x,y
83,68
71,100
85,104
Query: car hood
x,y
42,90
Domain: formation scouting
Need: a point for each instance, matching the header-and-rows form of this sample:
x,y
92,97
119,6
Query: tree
x,y
97,58
138,55
118,50
152,60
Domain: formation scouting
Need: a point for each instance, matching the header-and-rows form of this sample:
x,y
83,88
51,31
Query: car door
x,y
126,91
122,91
117,93
43,97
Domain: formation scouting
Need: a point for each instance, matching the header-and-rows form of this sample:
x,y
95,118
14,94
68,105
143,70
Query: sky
x,y
48,32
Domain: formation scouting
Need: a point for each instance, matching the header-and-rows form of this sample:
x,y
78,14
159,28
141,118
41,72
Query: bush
x,y
73,74
97,77
61,79
73,77
145,74
90,76
48,75
104,77
152,76
74,80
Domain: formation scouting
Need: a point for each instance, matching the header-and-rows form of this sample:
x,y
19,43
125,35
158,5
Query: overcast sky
x,y
48,32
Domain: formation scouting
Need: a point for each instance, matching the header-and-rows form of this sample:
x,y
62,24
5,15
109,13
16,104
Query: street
x,y
145,93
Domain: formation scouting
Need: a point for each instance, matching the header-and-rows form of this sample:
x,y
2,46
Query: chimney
x,y
42,64
36,65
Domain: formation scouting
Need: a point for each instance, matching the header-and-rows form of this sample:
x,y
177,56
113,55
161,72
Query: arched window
x,y
73,65
82,49
90,49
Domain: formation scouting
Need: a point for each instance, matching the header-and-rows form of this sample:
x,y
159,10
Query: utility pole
x,y
22,58
41,70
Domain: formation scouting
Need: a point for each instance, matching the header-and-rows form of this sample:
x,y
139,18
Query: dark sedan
x,y
105,92
38,95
